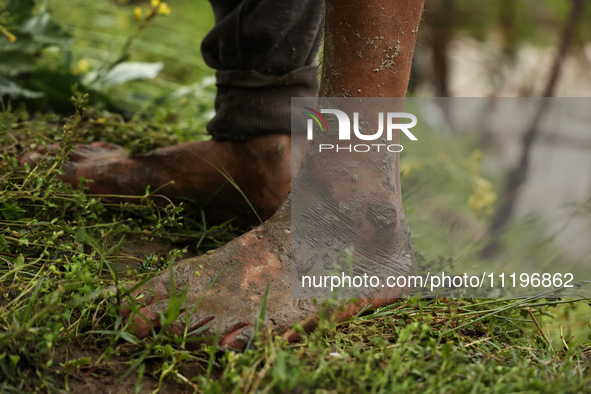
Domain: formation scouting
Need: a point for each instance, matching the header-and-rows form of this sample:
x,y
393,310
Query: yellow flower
x,y
155,3
163,9
482,197
409,166
474,161
82,66
7,34
137,14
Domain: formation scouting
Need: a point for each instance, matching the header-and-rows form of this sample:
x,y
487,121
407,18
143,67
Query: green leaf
x,y
14,91
14,359
19,261
56,86
11,211
25,43
125,72
20,10
13,63
3,244
78,362
46,31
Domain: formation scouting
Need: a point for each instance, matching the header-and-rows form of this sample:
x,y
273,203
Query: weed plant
x,y
65,266
68,261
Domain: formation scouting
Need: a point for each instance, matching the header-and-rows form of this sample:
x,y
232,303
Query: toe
x,y
141,327
238,338
107,146
83,152
96,150
145,306
31,159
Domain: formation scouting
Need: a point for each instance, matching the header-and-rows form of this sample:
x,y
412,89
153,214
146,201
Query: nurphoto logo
x,y
392,121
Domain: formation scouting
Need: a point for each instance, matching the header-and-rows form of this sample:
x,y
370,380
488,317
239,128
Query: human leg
x,y
264,53
230,288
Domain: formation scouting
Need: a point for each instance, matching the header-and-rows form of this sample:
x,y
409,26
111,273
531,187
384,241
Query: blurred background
x,y
501,48
465,49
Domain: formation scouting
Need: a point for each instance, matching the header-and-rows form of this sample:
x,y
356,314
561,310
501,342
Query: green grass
x,y
61,251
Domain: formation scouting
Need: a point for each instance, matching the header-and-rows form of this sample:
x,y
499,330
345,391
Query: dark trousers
x,y
264,52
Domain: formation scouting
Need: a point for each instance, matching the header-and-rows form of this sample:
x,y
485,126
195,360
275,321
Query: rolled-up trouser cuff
x,y
250,104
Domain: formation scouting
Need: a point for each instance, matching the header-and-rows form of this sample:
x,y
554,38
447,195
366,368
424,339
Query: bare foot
x,y
223,291
260,167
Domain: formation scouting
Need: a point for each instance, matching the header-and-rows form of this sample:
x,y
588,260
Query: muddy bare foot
x,y
359,205
222,291
260,167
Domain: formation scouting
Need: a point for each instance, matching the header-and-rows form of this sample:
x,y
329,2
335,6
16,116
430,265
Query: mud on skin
x,y
228,293
260,167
